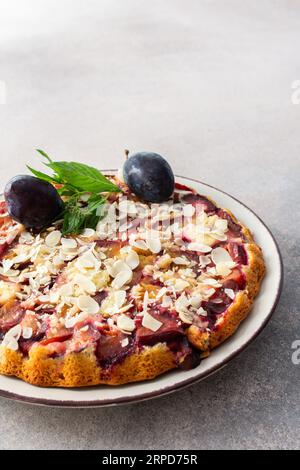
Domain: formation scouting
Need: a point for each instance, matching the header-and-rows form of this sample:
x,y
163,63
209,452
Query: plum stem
x,y
126,154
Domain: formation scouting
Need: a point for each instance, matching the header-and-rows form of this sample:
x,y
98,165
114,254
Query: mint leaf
x,y
83,177
42,176
77,217
75,180
44,155
94,202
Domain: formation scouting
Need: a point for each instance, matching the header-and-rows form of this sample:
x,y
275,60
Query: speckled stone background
x,y
209,85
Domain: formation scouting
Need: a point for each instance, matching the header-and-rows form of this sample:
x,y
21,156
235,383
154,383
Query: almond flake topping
x,y
202,312
124,342
118,267
195,300
153,243
53,238
220,255
71,321
68,243
150,322
166,301
188,210
85,284
88,233
181,260
125,323
87,304
194,246
27,332
132,259
186,317
161,292
11,338
140,244
87,261
230,293
121,279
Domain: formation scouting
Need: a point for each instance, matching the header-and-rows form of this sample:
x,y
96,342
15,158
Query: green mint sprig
x,y
82,185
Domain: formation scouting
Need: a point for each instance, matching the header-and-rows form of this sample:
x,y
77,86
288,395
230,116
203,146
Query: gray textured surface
x,y
208,84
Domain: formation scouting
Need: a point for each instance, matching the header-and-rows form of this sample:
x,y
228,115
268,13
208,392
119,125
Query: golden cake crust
x,y
78,369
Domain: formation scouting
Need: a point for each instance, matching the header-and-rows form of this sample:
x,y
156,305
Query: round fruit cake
x,y
152,288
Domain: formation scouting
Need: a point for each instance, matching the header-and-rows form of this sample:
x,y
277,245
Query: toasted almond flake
x,y
27,332
54,296
218,236
132,259
161,292
26,237
188,210
127,207
85,283
10,272
110,322
87,261
220,255
66,290
222,269
10,343
84,328
154,244
71,321
180,285
121,279
150,322
88,233
119,298
202,312
186,317
178,241
211,271
87,304
124,342
67,255
53,238
211,282
7,264
209,292
145,301
221,225
44,298
181,260
194,246
230,293
132,209
57,260
216,301
139,244
11,338
195,300
125,323
182,303
166,301
14,332
118,267
68,243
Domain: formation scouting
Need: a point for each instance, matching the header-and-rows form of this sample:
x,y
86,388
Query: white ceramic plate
x,y
264,306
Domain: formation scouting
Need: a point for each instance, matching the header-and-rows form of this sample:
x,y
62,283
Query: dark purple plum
x,y
149,176
32,202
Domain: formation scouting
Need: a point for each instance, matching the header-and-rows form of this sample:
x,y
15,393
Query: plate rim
x,y
99,403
